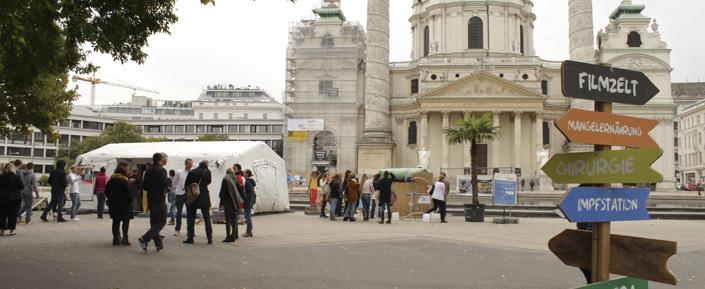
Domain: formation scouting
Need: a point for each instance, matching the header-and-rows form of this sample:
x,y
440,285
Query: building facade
x,y
475,58
241,113
691,145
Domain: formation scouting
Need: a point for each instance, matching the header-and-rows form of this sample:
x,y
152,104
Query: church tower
x,y
580,37
632,41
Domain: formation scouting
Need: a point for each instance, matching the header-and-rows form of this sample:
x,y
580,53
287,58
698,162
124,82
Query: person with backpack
x,y
201,178
250,201
31,188
58,183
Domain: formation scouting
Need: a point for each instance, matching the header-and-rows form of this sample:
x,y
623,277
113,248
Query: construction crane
x,y
94,80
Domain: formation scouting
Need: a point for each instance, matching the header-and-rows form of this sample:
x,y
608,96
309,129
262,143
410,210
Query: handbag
x,y
193,191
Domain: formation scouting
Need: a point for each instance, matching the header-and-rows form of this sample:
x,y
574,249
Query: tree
x,y
41,42
473,130
213,137
120,132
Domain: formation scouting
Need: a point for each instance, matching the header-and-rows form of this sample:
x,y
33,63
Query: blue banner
x,y
595,204
504,189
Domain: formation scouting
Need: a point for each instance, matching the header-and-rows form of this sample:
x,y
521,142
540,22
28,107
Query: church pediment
x,y
482,85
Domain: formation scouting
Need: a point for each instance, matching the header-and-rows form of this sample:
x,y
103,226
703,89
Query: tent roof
x,y
186,149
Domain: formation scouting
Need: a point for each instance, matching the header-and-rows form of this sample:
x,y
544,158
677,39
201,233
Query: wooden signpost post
x,y
599,250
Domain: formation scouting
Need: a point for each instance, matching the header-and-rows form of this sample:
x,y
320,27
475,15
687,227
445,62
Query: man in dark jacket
x,y
385,196
58,183
202,176
156,183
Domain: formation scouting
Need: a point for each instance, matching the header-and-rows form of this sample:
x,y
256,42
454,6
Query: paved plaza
x,y
297,251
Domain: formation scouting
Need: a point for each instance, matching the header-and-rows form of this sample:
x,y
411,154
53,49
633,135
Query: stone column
x,y
377,124
466,146
517,140
444,142
423,130
581,39
495,142
539,139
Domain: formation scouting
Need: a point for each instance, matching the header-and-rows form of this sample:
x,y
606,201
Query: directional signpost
x,y
626,282
593,204
594,201
584,126
623,166
606,84
629,256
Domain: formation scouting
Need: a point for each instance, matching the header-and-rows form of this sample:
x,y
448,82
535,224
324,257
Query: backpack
x,y
193,190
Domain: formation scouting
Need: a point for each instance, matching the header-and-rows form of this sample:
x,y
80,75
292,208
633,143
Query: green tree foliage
x,y
120,132
213,137
474,131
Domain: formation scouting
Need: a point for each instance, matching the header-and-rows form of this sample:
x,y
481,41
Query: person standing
x,y
99,190
700,189
335,188
367,190
352,197
180,181
119,198
74,180
313,188
324,191
522,183
31,188
438,192
145,193
19,170
343,189
250,201
155,183
202,176
447,185
11,187
171,197
531,185
385,196
58,183
231,200
375,195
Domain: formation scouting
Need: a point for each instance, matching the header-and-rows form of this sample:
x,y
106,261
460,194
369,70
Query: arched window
x,y
521,39
634,39
327,40
426,41
412,133
475,33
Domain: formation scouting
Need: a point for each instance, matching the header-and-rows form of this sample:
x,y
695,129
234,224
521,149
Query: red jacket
x,y
100,180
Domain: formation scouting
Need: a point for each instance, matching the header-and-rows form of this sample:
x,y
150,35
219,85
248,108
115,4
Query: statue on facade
x,y
542,156
654,26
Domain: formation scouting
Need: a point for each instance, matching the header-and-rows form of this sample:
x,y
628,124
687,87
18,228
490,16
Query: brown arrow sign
x,y
601,128
629,256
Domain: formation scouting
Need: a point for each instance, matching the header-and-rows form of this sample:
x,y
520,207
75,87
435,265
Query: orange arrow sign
x,y
592,127
629,256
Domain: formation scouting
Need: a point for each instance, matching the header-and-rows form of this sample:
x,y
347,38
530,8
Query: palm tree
x,y
473,130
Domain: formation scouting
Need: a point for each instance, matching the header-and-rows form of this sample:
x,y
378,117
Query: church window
x,y
426,41
525,76
521,39
457,75
544,87
546,133
324,86
501,75
327,40
634,39
475,33
414,86
412,133
434,77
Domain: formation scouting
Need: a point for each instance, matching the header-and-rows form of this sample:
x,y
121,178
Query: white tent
x,y
268,168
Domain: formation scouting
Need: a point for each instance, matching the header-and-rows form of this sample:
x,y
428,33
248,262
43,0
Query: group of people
x,y
126,192
342,193
18,186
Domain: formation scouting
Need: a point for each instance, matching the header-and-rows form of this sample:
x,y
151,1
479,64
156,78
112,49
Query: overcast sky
x,y
243,42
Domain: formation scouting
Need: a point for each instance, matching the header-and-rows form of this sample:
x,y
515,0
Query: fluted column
x,y
466,145
423,131
539,138
444,142
377,123
495,142
517,139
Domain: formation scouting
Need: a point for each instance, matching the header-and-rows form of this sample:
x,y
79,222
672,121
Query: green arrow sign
x,y
620,166
621,283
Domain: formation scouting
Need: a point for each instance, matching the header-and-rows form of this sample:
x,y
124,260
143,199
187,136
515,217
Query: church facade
x,y
468,58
